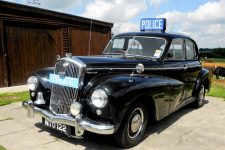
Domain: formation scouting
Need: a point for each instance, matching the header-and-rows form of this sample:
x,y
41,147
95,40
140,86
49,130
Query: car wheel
x,y
200,97
133,127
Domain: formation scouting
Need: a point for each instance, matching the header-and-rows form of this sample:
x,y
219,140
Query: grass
x,y
2,148
217,91
8,98
9,118
217,88
218,85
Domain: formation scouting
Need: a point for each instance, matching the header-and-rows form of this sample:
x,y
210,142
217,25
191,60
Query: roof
x,y
13,8
157,34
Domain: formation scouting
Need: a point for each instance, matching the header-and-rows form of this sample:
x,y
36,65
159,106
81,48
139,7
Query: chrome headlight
x,y
32,83
99,98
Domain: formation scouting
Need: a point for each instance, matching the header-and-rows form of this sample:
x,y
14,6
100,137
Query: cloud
x,y
60,5
206,24
156,3
125,27
120,12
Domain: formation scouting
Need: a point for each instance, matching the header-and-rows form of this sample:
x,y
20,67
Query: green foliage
x,y
8,98
212,53
2,148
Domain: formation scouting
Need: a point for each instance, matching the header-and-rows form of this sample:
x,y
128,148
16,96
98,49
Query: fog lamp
x,y
75,108
40,100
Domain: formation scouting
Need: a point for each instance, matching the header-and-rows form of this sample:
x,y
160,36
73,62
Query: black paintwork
x,y
168,84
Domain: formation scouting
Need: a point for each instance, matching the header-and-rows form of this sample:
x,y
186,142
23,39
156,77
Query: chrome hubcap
x,y
136,123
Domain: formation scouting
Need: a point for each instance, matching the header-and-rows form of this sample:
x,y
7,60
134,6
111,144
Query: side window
x,y
190,50
135,47
118,44
176,51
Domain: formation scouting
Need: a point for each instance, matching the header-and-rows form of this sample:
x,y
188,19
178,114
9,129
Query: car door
x,y
176,69
194,66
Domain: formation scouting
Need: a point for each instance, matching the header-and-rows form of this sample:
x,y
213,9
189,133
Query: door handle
x,y
185,67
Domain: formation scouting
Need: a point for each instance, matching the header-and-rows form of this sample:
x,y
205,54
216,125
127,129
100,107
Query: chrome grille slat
x,y
62,97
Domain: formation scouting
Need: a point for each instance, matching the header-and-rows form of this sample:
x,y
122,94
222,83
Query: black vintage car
x,y
139,77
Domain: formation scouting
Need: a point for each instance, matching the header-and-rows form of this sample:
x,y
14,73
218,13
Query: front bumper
x,y
80,123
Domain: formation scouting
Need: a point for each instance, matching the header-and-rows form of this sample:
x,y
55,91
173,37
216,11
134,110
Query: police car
x,y
140,77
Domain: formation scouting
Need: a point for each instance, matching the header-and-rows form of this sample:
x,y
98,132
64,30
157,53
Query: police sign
x,y
148,24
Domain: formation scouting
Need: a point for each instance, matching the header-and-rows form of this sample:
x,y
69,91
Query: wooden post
x,y
3,59
65,36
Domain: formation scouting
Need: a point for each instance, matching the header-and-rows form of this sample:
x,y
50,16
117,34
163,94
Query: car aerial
x,y
140,76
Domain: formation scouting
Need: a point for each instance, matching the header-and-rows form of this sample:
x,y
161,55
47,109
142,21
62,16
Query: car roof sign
x,y
153,24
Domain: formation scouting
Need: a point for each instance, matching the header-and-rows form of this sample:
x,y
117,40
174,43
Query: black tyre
x,y
200,97
133,127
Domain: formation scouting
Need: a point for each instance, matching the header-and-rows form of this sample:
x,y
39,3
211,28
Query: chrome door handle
x,y
185,67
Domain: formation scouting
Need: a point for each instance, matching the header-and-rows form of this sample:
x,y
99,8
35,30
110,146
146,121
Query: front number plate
x,y
58,126
64,81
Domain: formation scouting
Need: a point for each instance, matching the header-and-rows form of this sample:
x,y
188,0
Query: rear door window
x,y
190,50
176,50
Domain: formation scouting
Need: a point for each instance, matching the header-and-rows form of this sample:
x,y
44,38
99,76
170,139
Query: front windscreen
x,y
137,46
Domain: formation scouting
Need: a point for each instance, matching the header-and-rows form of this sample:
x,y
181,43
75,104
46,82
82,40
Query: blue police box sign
x,y
149,24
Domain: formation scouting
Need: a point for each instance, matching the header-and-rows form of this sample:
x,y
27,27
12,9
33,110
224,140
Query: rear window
x,y
190,50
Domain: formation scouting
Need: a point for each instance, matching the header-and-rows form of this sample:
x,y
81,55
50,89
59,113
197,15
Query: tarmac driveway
x,y
186,129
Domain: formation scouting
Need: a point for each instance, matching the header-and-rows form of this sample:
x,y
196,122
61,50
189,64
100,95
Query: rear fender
x,y
204,78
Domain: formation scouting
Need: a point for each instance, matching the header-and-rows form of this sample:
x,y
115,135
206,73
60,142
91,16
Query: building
x,y
30,38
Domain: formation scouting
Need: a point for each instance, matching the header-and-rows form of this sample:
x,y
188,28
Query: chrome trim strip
x,y
170,68
80,123
194,66
90,69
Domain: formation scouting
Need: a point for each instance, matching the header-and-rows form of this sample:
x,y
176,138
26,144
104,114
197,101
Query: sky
x,y
203,20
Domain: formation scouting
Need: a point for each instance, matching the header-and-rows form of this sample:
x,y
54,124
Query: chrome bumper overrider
x,y
80,123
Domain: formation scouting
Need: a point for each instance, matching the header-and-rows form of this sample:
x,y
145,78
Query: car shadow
x,y
94,141
160,126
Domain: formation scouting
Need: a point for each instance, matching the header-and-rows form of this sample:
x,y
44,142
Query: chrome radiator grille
x,y
62,97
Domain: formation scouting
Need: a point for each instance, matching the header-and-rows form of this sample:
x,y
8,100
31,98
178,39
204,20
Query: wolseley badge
x,y
66,64
62,74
